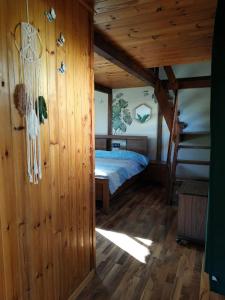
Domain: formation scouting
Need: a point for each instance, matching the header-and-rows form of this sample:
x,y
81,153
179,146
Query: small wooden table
x,y
192,211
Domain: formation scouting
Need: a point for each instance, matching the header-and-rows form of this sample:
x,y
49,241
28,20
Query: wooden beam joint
x,y
116,55
189,83
102,88
172,78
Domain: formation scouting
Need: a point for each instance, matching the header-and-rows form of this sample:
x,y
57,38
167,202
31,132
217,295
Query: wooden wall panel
x,y
46,230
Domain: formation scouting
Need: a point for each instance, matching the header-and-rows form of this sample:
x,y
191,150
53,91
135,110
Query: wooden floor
x,y
137,253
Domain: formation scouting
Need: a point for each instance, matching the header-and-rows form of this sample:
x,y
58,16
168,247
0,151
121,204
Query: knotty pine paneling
x,y
46,230
155,33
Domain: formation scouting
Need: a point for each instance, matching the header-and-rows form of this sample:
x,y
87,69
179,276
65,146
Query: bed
x,y
120,161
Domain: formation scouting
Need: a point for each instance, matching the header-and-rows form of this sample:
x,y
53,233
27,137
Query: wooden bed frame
x,y
105,142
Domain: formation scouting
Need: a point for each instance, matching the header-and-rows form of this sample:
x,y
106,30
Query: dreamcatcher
x,y
30,52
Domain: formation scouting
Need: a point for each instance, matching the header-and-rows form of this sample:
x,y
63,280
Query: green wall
x,y
215,246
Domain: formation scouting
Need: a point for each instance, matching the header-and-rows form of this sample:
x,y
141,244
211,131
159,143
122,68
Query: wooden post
x,y
173,131
159,136
110,98
108,91
159,126
172,78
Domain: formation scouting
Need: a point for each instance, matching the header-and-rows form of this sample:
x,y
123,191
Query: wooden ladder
x,y
174,139
178,139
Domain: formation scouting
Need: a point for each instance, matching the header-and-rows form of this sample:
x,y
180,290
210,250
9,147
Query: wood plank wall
x,y
46,230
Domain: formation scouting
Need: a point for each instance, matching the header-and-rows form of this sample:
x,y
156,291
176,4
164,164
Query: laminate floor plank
x,y
137,254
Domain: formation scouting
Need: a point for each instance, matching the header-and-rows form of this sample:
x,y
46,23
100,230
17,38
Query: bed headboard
x,y
125,142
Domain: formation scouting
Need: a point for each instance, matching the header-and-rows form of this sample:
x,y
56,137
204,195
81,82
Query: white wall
x,y
135,97
101,113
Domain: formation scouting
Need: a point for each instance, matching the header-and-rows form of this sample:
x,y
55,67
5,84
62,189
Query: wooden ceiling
x,y
155,33
110,75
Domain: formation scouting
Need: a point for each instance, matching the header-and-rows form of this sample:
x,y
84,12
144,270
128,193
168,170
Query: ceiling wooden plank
x,y
155,33
113,76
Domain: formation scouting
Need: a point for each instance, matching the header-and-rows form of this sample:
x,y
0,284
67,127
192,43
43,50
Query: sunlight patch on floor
x,y
133,246
144,241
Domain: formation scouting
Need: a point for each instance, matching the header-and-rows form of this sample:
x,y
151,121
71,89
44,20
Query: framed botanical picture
x,y
142,113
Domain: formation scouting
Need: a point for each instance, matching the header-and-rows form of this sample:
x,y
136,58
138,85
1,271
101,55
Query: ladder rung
x,y
193,147
184,136
192,179
193,162
195,133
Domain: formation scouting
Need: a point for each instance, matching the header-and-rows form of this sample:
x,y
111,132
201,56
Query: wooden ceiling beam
x,y
119,57
103,89
189,83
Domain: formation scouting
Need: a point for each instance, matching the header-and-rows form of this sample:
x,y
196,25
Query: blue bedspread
x,y
118,166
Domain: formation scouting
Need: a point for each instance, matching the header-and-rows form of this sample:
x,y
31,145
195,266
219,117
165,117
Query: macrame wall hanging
x,y
30,52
